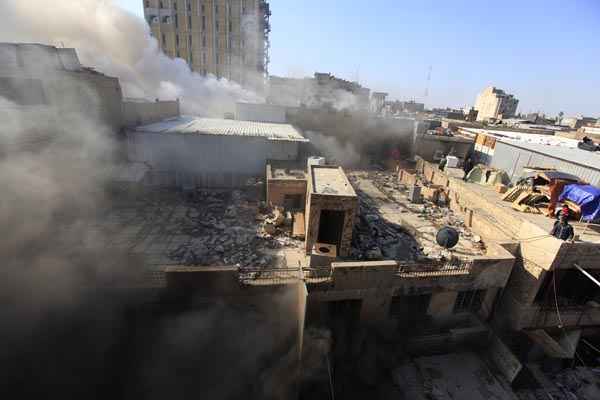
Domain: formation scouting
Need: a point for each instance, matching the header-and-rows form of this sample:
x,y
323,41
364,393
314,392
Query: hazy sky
x,y
546,52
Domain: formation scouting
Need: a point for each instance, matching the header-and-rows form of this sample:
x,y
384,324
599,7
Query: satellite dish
x,y
447,237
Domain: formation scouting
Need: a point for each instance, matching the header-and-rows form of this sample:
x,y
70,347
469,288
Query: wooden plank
x,y
298,226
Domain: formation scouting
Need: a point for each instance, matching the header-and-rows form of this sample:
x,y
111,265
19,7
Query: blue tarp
x,y
585,196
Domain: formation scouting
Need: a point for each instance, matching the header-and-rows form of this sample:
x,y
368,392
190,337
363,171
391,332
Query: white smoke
x,y
119,44
334,150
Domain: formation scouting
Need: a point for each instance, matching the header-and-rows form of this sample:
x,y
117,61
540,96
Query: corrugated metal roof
x,y
590,159
224,127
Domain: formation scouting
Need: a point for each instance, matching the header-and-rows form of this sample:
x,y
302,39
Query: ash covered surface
x,y
381,231
200,228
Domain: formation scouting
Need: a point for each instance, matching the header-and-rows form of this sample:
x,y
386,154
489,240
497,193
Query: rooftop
x,y
553,146
224,127
330,180
286,170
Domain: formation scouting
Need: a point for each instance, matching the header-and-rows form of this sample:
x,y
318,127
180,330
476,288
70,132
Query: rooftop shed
x,y
207,152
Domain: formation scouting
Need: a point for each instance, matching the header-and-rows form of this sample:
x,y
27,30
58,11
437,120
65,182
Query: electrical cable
x,y
561,326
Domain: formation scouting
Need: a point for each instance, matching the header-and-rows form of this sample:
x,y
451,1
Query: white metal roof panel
x,y
572,155
224,127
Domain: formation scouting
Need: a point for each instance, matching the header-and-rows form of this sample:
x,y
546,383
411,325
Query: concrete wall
x,y
137,113
206,160
376,282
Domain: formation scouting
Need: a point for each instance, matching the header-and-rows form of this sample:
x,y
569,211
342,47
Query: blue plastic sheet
x,y
585,196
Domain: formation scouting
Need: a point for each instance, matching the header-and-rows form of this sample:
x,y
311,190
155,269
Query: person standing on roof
x,y
443,162
467,165
562,229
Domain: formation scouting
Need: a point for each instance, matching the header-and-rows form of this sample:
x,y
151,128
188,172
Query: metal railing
x,y
283,276
435,269
273,276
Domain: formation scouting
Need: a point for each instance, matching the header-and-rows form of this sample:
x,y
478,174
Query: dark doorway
x,y
331,225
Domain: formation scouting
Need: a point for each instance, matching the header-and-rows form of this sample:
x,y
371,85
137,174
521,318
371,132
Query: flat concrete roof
x,y
224,127
286,170
330,180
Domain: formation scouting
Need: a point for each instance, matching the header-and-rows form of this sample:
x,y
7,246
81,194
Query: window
x,y
176,21
191,58
217,60
203,41
177,40
216,10
469,300
189,22
189,5
164,40
166,19
412,308
202,8
217,26
203,23
190,41
174,4
230,26
161,5
147,4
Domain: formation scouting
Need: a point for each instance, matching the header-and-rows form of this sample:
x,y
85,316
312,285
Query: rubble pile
x,y
442,216
223,230
375,238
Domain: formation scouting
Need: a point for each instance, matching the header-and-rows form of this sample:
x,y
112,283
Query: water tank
x,y
314,160
447,237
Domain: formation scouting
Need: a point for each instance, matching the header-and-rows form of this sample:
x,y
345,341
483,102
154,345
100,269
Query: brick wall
x,y
278,188
315,204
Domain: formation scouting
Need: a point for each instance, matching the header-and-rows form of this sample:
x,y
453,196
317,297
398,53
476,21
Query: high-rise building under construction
x,y
226,38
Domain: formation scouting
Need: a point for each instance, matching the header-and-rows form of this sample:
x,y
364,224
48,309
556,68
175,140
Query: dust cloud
x,y
119,44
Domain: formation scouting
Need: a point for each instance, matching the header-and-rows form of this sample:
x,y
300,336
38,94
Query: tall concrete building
x,y
493,103
226,38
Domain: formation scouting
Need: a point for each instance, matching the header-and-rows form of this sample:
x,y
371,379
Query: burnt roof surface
x,y
330,180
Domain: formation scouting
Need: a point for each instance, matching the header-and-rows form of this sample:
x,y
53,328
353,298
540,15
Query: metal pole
x,y
583,271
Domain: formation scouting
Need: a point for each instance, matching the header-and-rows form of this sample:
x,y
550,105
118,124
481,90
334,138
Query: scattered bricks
x,y
431,193
439,178
429,172
406,178
500,188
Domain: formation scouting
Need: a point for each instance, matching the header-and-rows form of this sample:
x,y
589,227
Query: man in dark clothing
x,y
467,166
443,163
562,229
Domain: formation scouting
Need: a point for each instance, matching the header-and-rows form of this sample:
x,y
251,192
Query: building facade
x,y
493,103
226,38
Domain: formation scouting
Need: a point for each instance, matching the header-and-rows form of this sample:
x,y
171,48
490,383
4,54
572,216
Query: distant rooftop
x,y
330,180
224,127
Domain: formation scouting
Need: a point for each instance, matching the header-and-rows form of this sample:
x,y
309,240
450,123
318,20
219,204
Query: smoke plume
x,y
119,44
